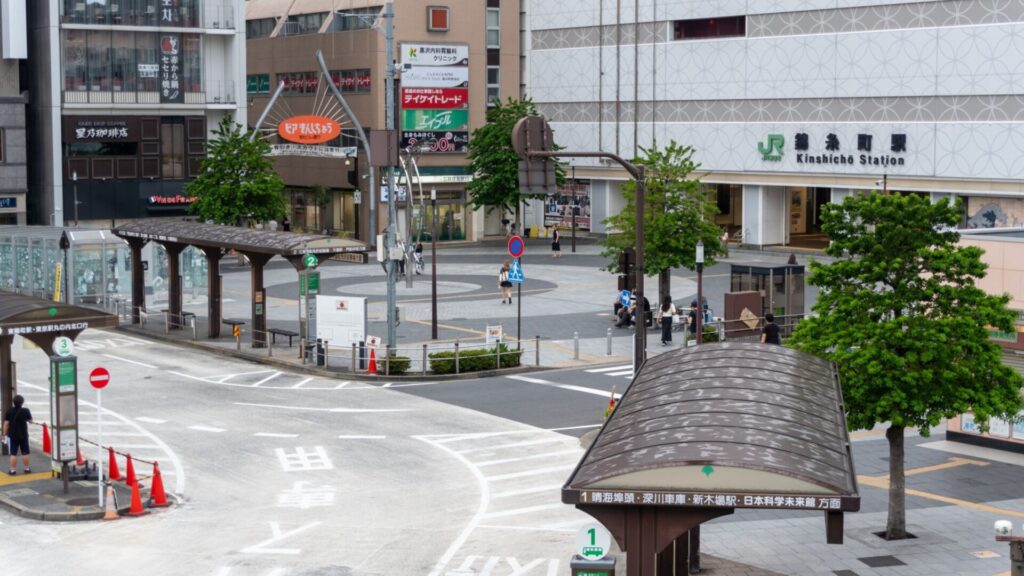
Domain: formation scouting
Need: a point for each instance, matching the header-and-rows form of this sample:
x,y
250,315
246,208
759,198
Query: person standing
x,y
504,283
286,225
15,430
691,327
665,314
556,244
770,332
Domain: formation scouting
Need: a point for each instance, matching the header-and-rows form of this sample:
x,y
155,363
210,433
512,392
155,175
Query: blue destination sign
x,y
8,201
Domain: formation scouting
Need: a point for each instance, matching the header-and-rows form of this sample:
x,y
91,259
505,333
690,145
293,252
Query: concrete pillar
x,y
174,282
259,306
138,279
214,294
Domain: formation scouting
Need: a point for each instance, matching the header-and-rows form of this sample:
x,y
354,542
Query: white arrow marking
x,y
275,529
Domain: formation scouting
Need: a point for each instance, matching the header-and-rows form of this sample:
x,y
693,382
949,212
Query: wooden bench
x,y
275,332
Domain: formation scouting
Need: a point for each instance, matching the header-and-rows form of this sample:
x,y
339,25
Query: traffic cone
x,y
46,439
157,496
373,363
136,508
114,473
110,510
130,473
80,460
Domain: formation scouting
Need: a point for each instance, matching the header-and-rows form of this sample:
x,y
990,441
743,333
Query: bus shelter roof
x,y
244,240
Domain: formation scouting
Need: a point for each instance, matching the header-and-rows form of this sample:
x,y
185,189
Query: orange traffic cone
x,y
115,473
136,507
157,496
110,510
46,439
80,460
130,473
373,363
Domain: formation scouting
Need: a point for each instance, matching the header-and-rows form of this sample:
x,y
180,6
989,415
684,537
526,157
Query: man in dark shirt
x,y
15,429
770,333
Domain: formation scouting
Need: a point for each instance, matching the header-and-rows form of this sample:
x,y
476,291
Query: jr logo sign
x,y
771,149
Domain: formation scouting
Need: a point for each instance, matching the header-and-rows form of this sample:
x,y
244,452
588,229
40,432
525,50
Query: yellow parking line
x,y
952,463
882,482
8,480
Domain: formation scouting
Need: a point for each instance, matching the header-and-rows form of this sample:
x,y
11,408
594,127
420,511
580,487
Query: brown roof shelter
x,y
705,430
40,321
215,240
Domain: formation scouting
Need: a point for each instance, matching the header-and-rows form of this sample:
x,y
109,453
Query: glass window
x,y
730,26
303,24
172,148
123,64
74,59
354,81
99,60
192,62
261,28
493,28
147,61
357,19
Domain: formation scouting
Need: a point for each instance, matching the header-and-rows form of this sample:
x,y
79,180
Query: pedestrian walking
x,y
417,256
665,313
505,283
691,327
286,225
15,433
556,244
770,332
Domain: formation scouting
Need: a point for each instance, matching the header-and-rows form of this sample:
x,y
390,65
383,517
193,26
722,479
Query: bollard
x,y
302,349
456,355
270,347
537,350
424,359
167,327
238,341
192,321
355,366
497,360
387,363
327,356
609,351
575,345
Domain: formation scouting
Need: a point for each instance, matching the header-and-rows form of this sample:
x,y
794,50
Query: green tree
x,y
677,213
237,179
493,162
900,314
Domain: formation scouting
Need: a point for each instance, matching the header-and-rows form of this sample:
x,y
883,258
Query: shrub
x,y
474,360
398,365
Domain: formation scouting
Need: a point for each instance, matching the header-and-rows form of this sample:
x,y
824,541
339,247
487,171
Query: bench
x,y
275,332
184,316
234,323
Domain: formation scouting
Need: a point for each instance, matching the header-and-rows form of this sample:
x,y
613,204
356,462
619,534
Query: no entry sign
x,y
516,246
99,378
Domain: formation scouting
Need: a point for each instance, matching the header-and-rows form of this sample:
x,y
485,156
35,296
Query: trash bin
x,y
319,352
585,567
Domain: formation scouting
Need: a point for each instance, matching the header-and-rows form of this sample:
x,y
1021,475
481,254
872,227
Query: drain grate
x,y
882,561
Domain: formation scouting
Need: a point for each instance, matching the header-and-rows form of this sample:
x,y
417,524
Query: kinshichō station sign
x,y
832,149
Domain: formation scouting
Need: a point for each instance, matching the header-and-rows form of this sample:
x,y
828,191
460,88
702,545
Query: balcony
x,y
212,94
211,15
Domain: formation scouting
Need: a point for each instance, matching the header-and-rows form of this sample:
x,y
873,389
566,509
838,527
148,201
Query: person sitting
x,y
626,315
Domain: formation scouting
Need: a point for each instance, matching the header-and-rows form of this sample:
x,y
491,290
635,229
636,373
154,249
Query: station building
x,y
124,96
13,158
790,104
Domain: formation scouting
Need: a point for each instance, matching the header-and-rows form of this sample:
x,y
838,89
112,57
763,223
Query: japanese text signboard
x,y
434,98
435,54
718,500
170,69
436,120
309,129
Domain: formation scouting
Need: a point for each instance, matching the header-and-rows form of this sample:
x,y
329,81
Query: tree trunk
x,y
896,526
664,284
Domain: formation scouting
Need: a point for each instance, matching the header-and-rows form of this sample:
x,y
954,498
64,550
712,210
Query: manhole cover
x,y
882,561
81,502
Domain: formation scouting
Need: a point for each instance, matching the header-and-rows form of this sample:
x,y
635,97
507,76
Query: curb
x,y
75,516
307,369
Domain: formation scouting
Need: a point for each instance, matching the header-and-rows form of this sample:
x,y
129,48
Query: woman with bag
x,y
556,244
665,314
504,283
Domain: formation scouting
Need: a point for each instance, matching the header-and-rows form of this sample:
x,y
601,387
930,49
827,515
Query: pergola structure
x,y
214,240
703,431
40,321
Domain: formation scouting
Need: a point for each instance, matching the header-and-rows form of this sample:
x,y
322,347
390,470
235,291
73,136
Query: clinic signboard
x,y
435,97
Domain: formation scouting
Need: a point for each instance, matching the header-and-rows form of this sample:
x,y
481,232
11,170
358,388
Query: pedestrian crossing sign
x,y
515,274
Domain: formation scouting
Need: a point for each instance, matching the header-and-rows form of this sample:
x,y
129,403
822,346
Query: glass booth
x,y
781,287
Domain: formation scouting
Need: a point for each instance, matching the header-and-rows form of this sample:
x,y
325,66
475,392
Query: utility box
x,y
584,567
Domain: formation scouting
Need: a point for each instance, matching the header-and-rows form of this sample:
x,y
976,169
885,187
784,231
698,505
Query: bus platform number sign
x,y
593,542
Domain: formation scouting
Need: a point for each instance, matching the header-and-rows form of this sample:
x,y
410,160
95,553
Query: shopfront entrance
x,y
804,217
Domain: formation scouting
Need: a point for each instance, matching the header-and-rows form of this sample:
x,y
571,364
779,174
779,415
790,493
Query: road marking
x,y
512,445
299,385
883,483
952,463
534,472
534,490
976,451
571,387
531,457
225,377
126,446
123,434
143,364
527,510
149,420
267,379
342,385
6,480
562,525
622,373
275,435
609,369
444,438
275,530
530,380
386,385
343,437
318,409
201,428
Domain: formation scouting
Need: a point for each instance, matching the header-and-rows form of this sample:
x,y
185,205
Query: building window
x,y
356,19
303,24
355,81
437,19
172,148
493,28
3,146
122,61
261,28
727,27
493,84
183,13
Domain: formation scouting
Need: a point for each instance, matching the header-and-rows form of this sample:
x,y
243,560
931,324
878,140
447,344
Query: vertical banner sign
x,y
170,68
435,94
64,404
170,13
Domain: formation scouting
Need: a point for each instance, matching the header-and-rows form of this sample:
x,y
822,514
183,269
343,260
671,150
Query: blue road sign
x,y
515,274
624,297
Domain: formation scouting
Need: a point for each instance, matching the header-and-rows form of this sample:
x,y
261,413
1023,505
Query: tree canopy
x,y
237,179
901,315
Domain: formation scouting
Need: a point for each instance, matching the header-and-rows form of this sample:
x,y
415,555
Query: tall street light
x,y
700,291
433,264
389,120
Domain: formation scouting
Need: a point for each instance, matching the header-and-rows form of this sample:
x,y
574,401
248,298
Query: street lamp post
x,y
433,264
700,291
389,119
74,180
572,207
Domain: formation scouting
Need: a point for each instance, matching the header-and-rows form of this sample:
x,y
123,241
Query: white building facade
x,y
790,104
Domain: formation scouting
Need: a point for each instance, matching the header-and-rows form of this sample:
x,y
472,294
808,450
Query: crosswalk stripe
x,y
200,428
622,373
586,390
527,510
609,369
531,457
535,472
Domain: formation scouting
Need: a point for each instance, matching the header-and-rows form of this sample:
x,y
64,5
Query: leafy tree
x,y
677,213
901,316
237,179
493,162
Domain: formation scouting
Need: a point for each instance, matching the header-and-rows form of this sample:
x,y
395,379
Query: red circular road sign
x,y
516,246
99,377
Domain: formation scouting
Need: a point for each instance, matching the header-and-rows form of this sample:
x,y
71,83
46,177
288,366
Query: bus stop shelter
x,y
214,240
706,430
40,321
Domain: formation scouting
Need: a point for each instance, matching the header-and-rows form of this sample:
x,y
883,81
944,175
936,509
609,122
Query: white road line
x,y
267,379
530,380
575,427
343,437
534,472
609,369
531,457
527,510
386,385
342,385
301,382
512,445
119,446
584,389
143,364
318,409
275,435
225,377
149,420
407,385
622,373
201,428
554,489
105,423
